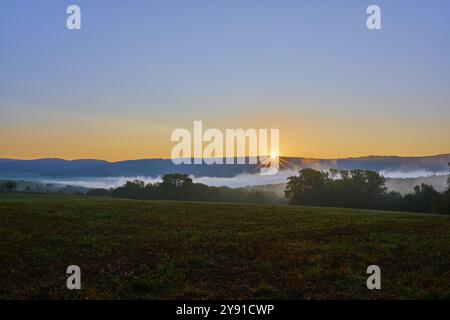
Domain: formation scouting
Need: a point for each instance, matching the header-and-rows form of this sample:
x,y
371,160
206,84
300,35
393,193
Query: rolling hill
x,y
12,168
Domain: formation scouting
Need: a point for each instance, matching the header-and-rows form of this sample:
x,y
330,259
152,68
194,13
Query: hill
x,y
13,168
166,250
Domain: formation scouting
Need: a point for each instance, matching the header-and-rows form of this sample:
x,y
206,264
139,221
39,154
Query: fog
x,y
102,183
232,182
411,174
401,181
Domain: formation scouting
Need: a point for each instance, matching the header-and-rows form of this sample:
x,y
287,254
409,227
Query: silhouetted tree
x,y
131,189
448,180
177,180
176,186
10,185
336,188
357,188
360,189
308,188
422,198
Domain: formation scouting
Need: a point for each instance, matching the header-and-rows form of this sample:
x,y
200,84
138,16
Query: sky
x,y
137,70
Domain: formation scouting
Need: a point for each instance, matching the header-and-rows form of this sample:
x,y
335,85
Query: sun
x,y
273,155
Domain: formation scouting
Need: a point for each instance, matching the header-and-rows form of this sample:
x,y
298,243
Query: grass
x,y
167,250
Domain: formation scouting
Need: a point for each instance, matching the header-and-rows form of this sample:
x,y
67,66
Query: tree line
x,y
357,188
176,186
363,189
9,185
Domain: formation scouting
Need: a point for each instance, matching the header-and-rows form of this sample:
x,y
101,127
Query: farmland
x,y
129,249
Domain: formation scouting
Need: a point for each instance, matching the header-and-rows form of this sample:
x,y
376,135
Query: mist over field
x,y
402,173
403,182
242,180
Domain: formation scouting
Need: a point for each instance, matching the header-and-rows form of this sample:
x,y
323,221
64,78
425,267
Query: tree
x,y
353,189
131,189
442,203
448,180
422,198
308,188
181,187
10,185
375,183
177,180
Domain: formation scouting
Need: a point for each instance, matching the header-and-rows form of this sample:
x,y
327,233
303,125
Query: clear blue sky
x,y
171,62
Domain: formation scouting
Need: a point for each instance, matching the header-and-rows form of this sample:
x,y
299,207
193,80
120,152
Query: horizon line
x,y
160,158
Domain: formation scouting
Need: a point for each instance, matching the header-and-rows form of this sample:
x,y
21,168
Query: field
x,y
167,250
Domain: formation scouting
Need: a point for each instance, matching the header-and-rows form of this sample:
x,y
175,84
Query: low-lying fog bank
x,y
402,182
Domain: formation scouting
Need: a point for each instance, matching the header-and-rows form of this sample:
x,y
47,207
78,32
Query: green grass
x,y
167,250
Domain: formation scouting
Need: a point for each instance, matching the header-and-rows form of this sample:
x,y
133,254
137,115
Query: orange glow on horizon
x,y
319,138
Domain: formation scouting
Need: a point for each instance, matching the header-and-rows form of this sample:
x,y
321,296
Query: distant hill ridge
x,y
53,167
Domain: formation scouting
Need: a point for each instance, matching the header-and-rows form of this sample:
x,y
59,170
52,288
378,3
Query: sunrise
x,y
201,152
